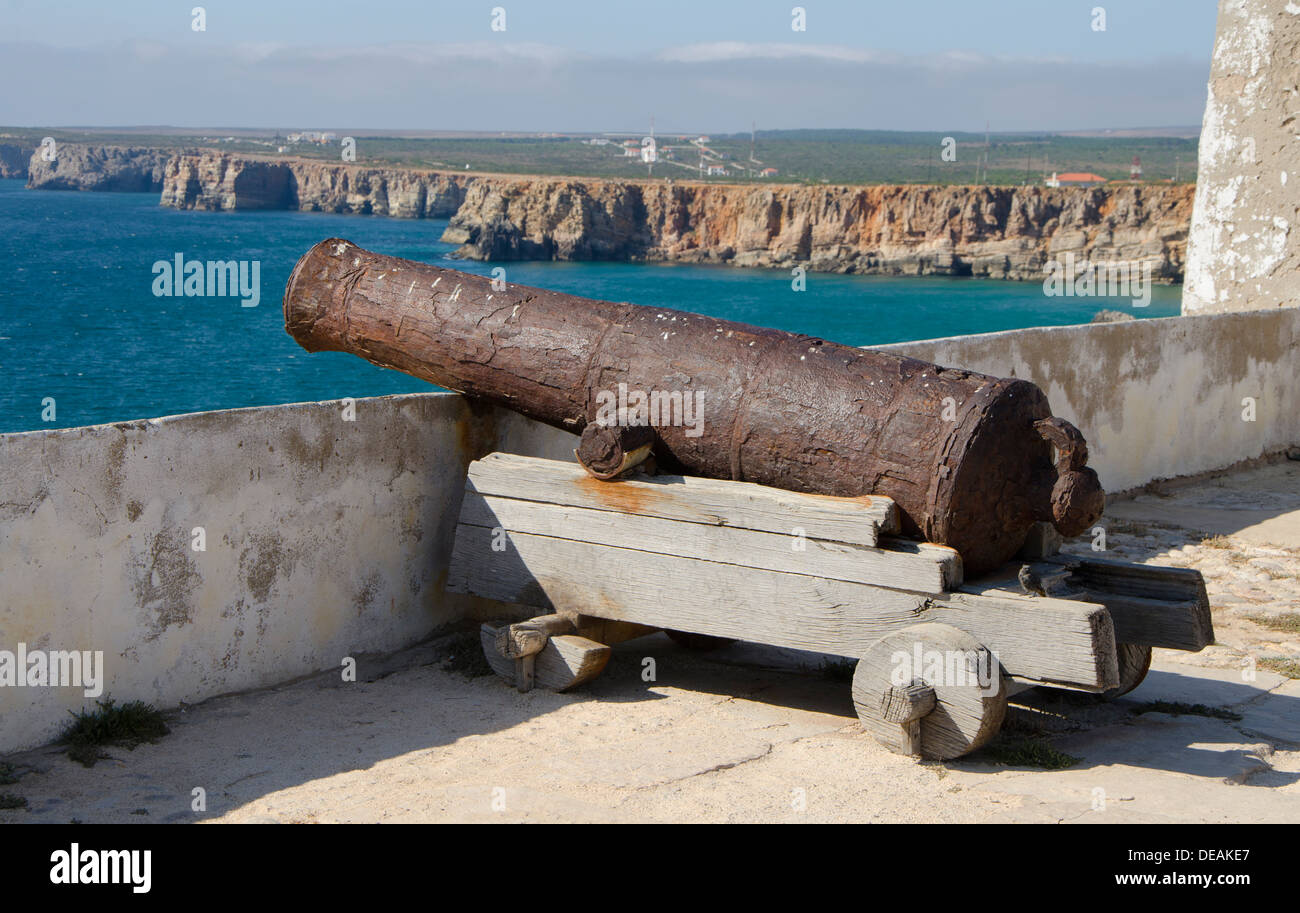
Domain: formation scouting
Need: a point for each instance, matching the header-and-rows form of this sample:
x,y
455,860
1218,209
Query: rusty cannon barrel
x,y
971,460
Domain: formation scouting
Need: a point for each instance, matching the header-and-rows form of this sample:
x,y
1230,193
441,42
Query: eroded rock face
x,y
129,169
218,181
13,160
223,182
996,232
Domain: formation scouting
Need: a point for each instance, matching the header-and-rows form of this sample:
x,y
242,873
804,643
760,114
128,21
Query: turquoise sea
x,y
79,321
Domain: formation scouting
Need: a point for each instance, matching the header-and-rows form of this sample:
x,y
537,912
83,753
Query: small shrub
x,y
127,725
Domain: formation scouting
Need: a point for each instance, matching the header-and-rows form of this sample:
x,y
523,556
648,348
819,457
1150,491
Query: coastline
x,y
985,231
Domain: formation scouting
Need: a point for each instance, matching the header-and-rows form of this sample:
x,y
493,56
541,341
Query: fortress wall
x,y
1243,248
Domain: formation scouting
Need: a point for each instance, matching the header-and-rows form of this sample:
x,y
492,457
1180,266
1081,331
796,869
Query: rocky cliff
x,y
216,181
999,232
13,160
103,168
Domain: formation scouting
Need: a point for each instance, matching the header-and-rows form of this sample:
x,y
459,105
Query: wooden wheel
x,y
566,661
930,690
1134,663
700,642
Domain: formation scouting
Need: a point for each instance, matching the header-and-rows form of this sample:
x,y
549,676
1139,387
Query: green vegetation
x,y
8,775
10,801
1288,621
1281,665
1177,708
1028,751
800,156
128,726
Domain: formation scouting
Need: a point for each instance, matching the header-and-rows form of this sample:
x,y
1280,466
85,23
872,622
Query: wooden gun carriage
x,y
937,655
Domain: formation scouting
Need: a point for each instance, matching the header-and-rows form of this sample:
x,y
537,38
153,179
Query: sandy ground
x,y
746,733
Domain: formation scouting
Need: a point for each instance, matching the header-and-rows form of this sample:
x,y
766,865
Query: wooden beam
x,y
1045,639
899,563
1147,580
742,505
1176,625
1152,606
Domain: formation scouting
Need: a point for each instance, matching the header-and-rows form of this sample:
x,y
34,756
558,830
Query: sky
x,y
703,65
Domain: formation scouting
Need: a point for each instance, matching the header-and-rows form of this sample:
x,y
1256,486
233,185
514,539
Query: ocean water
x,y
79,321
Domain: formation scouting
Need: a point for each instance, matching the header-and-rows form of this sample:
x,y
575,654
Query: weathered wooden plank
x,y
1028,632
901,564
1176,625
1043,639
1146,580
1152,606
743,505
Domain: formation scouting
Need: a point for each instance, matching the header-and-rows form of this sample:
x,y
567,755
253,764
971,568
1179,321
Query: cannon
x,y
872,450
971,461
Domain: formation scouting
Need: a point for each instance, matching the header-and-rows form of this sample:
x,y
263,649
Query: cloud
x,y
715,51
715,86
721,51
430,53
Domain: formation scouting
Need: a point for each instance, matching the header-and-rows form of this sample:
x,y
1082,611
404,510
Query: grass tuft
x,y
1216,542
1281,665
10,801
1288,622
1022,751
127,725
